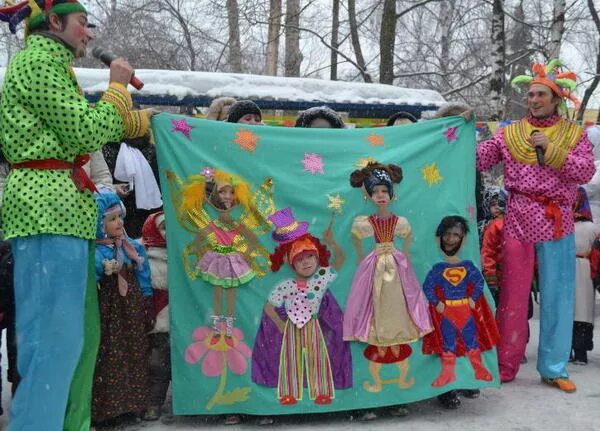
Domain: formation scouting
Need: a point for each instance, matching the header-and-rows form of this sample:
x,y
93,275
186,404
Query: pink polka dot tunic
x,y
526,220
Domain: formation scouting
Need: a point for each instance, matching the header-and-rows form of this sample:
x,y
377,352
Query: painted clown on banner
x,y
301,330
309,323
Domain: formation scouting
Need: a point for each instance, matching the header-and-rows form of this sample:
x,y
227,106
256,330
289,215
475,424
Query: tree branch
x,y
414,6
482,77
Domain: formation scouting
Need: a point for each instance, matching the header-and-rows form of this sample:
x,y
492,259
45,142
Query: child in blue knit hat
x,y
126,314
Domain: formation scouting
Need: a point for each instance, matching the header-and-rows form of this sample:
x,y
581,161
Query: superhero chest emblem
x,y
455,275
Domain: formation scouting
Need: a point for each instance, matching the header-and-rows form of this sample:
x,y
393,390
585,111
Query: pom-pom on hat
x,y
35,12
561,83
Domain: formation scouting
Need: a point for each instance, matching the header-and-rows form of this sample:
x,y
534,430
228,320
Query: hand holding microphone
x,y
540,143
120,70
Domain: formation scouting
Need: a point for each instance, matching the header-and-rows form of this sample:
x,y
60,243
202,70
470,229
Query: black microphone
x,y
107,58
539,151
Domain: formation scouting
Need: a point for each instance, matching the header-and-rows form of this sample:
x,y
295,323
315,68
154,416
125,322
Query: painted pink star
x,y
182,126
313,163
471,210
450,134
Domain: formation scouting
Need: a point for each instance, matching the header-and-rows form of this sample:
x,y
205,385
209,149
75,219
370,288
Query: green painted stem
x,y
222,382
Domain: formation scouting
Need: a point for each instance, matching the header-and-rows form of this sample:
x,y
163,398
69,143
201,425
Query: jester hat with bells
x,y
35,12
561,83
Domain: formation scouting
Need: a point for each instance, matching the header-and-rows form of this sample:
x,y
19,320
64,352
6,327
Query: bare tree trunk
x,y
360,60
594,84
293,56
557,29
335,28
235,50
498,60
446,12
273,37
520,39
387,37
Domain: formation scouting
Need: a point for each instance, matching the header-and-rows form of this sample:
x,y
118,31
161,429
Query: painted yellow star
x,y
246,140
364,162
375,140
335,203
431,174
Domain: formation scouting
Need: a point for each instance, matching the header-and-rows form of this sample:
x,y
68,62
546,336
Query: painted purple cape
x,y
267,346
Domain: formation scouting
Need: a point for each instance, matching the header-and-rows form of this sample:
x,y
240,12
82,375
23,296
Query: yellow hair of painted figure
x,y
190,204
193,194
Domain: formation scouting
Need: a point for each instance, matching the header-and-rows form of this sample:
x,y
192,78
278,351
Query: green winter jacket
x,y
43,115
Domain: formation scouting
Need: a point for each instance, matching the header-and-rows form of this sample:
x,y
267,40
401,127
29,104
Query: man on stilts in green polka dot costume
x,y
47,130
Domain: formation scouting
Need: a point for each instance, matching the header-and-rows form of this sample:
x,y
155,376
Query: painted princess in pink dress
x,y
385,308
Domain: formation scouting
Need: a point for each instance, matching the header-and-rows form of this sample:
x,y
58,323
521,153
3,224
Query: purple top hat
x,y
287,228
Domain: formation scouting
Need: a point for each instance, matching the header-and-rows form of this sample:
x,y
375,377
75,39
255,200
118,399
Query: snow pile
x,y
180,84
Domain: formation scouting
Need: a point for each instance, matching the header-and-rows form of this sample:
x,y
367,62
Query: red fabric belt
x,y
551,211
79,176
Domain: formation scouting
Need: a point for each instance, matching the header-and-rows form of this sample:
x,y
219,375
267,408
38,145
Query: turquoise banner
x,y
250,339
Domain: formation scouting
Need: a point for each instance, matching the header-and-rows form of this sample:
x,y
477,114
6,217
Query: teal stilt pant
x,y
50,281
79,406
556,268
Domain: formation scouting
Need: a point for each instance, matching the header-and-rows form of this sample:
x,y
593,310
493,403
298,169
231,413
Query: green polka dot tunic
x,y
43,115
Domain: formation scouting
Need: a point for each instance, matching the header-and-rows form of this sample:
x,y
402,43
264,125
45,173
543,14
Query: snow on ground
x,y
523,405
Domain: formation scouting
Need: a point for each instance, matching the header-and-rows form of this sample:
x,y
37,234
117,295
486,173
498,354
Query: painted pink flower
x,y
217,350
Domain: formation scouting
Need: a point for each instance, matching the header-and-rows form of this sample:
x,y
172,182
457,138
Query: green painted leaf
x,y
235,396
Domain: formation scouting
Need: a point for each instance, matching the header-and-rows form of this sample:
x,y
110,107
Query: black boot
x,y
583,340
470,393
580,357
449,400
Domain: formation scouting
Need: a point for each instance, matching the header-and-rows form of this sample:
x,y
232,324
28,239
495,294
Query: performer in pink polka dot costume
x,y
539,221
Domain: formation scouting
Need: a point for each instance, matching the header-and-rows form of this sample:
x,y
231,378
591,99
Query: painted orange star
x,y
246,140
364,161
375,140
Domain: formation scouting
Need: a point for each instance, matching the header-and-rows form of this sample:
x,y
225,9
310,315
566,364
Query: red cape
x,y
485,327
